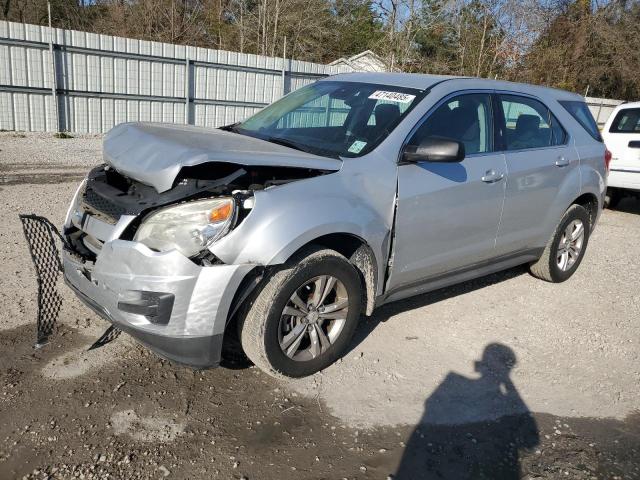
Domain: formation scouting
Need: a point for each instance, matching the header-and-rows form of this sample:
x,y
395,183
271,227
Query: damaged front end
x,y
112,205
138,253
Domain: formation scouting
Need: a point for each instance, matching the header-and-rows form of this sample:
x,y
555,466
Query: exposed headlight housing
x,y
74,207
189,227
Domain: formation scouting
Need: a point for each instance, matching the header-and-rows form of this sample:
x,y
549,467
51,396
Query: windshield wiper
x,y
287,143
231,128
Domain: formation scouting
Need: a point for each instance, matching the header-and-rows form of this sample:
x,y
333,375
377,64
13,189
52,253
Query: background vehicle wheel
x,y
565,250
612,198
303,318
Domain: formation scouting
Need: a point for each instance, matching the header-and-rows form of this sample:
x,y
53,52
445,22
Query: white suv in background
x,y
622,137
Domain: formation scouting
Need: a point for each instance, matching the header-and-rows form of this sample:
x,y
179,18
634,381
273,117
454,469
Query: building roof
x,y
366,60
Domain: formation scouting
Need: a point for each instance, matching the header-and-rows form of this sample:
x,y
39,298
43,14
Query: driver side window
x,y
464,118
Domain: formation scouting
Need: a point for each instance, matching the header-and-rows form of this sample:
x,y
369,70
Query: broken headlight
x,y
74,207
189,227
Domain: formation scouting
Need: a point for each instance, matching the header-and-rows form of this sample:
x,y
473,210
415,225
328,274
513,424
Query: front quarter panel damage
x,y
287,217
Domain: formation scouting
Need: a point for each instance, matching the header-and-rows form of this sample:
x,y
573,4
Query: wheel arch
x,y
590,203
351,246
359,254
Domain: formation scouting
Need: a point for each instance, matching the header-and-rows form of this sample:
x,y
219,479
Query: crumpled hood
x,y
154,153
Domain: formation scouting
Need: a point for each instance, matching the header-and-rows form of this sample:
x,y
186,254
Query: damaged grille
x,y
42,238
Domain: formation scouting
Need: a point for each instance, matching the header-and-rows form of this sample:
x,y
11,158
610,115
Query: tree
x,y
571,44
583,48
358,27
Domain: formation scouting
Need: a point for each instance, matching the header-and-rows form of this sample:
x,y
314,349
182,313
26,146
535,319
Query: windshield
x,y
332,119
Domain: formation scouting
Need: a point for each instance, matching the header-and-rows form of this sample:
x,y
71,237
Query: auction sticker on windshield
x,y
392,96
357,146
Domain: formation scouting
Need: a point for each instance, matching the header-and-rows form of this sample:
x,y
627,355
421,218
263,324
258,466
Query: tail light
x,y
607,159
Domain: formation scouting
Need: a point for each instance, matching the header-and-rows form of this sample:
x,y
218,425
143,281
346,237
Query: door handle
x,y
490,176
562,162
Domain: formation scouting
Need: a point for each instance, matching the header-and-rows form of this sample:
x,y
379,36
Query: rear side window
x,y
582,114
529,124
626,121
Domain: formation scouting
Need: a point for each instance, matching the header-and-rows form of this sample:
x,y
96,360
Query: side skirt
x,y
460,275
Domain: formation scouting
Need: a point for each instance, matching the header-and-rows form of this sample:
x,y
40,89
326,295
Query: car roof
x,y
407,80
424,81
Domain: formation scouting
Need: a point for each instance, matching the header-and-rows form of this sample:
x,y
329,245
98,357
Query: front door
x,y
448,213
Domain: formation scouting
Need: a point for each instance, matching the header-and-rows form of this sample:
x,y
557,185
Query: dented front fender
x,y
287,217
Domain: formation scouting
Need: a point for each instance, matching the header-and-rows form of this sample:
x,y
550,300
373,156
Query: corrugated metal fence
x,y
101,80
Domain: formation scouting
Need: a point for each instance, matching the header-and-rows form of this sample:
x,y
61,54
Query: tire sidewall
x,y
576,212
336,266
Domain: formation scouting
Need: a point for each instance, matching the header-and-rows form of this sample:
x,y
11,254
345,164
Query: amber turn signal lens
x,y
221,213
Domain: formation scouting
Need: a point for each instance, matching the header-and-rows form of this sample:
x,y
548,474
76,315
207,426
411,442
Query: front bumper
x,y
191,331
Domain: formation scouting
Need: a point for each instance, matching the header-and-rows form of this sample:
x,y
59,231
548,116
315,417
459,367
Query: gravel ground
x,y
428,390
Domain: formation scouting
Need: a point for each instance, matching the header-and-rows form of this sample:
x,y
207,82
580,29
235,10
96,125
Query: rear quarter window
x,y
582,114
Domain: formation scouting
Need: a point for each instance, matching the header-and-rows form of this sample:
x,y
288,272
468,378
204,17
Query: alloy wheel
x,y
313,318
570,245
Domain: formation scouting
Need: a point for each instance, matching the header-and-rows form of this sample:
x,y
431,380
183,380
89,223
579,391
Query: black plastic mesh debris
x,y
42,238
108,336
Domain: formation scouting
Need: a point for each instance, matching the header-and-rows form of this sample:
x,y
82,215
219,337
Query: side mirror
x,y
433,149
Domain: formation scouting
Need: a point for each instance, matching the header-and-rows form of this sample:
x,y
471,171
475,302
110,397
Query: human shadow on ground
x,y
472,428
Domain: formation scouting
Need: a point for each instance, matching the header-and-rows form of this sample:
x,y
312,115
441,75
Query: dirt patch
x,y
146,429
81,361
142,417
20,178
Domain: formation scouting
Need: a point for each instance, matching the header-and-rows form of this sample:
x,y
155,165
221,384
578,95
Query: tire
x,y
612,198
549,266
266,331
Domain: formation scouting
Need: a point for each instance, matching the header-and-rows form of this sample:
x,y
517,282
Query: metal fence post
x,y
284,68
187,91
54,73
599,110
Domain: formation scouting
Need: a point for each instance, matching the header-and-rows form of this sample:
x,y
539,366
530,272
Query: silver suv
x,y
349,193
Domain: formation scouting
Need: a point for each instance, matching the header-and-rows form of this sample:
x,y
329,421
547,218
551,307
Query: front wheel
x,y
304,316
565,250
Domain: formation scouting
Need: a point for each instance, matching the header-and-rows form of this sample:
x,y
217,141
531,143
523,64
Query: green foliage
x,y
436,38
595,50
359,26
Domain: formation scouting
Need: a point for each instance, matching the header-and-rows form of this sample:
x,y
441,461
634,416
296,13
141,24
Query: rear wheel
x,y
304,316
565,250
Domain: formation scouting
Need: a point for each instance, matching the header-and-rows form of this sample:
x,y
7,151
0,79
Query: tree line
x,y
579,45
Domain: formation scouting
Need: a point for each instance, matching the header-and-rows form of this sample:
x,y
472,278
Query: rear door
x,y
448,213
539,158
